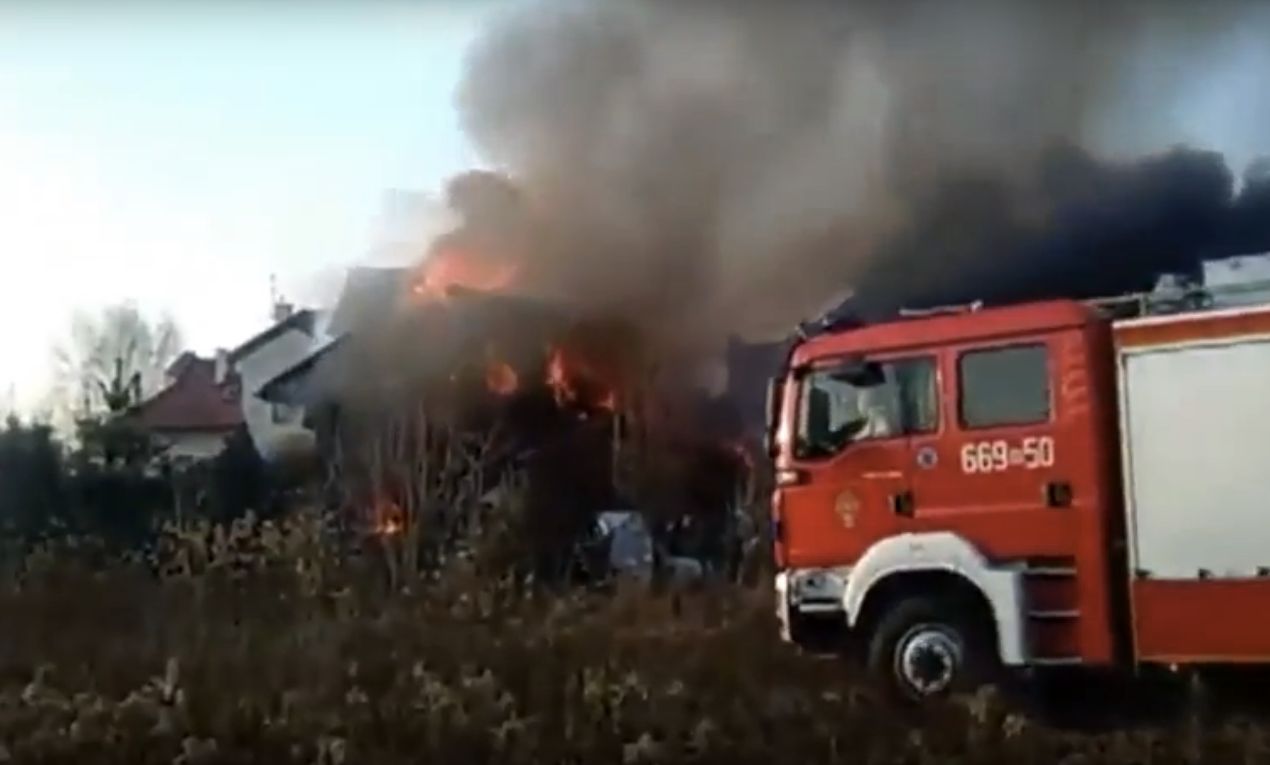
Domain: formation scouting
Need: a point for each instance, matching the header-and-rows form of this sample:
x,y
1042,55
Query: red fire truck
x,y
1026,486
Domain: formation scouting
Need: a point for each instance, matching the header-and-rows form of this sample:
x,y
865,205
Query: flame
x,y
501,379
389,521
573,382
558,378
455,267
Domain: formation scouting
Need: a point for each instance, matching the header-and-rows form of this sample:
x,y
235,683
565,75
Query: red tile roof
x,y
193,401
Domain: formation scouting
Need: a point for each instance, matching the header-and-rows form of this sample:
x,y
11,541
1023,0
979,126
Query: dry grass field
x,y
261,644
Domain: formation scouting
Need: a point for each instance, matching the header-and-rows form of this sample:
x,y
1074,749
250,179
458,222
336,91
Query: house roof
x,y
194,401
295,385
180,364
304,321
469,318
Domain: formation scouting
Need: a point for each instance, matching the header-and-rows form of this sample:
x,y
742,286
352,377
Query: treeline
x,y
49,488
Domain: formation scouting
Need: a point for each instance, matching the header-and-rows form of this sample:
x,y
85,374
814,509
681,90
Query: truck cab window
x,y
1005,386
834,412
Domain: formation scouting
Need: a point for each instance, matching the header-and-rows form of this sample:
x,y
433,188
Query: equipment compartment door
x,y
1196,417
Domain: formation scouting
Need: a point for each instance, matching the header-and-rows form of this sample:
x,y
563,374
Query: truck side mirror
x,y
772,414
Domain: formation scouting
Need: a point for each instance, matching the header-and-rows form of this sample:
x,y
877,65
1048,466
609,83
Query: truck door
x,y
852,457
995,475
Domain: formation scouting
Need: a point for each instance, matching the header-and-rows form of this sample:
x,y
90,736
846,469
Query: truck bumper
x,y
806,596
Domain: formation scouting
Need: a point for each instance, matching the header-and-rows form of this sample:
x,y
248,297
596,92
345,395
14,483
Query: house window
x,y
1005,386
895,398
284,414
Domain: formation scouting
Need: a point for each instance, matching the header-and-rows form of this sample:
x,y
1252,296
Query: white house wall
x,y
259,367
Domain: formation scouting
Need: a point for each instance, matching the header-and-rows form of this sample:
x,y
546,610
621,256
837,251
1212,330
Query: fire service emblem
x,y
847,507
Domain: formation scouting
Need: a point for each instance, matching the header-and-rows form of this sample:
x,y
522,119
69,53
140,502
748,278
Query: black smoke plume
x,y
1102,229
714,167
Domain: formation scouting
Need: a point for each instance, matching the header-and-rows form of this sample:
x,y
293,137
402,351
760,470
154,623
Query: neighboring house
x,y
279,366
195,412
275,427
368,301
302,384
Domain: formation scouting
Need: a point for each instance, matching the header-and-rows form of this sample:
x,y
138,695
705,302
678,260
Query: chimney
x,y
222,365
282,310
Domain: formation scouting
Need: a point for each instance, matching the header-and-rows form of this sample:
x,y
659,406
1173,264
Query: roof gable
x,y
180,364
295,385
302,321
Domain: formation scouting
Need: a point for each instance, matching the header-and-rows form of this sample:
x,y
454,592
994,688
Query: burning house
x,y
444,380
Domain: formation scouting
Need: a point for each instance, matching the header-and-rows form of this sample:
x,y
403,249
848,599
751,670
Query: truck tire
x,y
924,649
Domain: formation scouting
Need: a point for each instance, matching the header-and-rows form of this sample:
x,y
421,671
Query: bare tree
x,y
417,482
111,361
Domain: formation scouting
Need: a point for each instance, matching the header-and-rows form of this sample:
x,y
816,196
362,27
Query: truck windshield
x,y
833,412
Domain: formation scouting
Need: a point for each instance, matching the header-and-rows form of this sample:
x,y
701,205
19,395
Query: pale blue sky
x,y
178,154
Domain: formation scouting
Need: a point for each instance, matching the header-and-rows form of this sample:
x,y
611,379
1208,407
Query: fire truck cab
x,y
1026,486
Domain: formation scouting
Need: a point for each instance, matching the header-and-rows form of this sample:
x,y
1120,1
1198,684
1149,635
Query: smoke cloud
x,y
735,166
1096,229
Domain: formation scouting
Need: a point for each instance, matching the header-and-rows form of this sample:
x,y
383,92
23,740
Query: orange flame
x,y
389,521
573,382
456,268
558,378
501,379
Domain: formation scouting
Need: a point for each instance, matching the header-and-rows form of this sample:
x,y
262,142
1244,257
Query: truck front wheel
x,y
921,650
